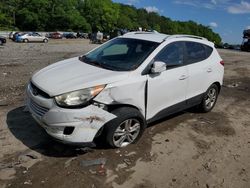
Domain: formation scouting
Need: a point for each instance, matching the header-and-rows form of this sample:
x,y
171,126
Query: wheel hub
x,y
211,98
126,132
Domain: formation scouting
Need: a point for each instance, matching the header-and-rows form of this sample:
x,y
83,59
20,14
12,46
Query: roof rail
x,y
185,36
141,32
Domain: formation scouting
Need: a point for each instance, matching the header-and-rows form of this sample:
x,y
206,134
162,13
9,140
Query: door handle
x,y
209,70
183,77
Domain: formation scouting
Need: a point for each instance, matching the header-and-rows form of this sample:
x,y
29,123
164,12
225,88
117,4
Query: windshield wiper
x,y
88,61
111,67
81,58
98,64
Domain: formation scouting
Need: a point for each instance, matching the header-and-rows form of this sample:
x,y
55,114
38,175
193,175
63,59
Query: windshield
x,y
120,54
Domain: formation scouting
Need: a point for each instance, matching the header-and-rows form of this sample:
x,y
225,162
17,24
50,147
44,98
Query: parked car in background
x,y
2,40
56,35
82,35
32,37
70,36
106,37
118,88
245,46
11,34
96,38
117,32
48,35
16,36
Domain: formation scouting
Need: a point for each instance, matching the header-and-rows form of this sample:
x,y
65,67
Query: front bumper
x,y
67,125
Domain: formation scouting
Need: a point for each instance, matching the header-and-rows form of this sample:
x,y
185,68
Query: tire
x,y
119,131
45,40
209,99
25,40
1,43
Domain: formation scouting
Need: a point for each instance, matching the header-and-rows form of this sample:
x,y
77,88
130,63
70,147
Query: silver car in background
x,y
33,37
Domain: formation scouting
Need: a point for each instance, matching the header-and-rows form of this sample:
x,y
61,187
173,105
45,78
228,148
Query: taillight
x,y
222,63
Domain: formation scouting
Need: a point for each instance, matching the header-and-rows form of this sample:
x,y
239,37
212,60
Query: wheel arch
x,y
218,85
112,107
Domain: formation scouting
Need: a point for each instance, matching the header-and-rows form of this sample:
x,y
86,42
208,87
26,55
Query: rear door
x,y
36,37
199,69
167,90
30,37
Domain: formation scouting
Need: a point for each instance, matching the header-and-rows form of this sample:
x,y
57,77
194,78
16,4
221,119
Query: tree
x,y
91,15
102,15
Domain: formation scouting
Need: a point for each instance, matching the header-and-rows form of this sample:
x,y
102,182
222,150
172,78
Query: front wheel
x,y
126,128
45,40
26,40
209,99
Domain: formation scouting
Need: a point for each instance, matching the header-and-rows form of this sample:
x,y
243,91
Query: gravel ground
x,y
185,150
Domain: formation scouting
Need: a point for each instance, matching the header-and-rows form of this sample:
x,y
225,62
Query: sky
x,y
227,17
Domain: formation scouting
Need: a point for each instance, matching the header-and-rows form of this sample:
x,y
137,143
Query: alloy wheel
x,y
211,98
126,132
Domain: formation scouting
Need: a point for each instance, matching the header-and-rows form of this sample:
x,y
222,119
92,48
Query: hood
x,y
73,74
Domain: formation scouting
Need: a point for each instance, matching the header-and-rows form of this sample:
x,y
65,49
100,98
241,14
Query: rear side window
x,y
195,52
209,50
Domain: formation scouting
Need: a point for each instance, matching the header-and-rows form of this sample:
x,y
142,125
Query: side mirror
x,y
158,67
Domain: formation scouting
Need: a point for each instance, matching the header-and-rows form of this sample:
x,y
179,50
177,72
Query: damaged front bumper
x,y
67,125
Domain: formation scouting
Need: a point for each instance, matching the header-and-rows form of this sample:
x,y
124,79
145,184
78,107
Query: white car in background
x,y
32,37
121,86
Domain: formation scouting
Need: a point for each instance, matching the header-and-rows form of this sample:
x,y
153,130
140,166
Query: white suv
x,y
119,87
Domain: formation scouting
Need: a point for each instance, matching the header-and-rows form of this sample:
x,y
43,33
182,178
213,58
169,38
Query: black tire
x,y
45,40
25,40
209,99
124,115
1,43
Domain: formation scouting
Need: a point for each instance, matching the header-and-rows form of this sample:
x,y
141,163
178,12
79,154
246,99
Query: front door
x,y
167,90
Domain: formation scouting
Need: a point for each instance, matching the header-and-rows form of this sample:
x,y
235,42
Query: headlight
x,y
78,98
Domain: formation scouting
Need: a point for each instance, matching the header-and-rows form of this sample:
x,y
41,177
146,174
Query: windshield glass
x,y
120,54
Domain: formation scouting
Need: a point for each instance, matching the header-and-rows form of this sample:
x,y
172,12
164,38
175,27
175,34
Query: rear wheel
x,y
26,40
126,128
45,40
209,99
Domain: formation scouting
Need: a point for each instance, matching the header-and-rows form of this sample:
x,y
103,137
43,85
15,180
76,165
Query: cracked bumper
x,y
83,123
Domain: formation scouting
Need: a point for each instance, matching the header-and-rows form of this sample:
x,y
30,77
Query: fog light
x,y
68,130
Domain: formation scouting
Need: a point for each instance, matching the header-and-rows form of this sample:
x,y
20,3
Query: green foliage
x,y
91,15
102,15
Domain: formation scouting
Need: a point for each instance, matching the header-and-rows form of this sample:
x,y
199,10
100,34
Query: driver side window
x,y
172,54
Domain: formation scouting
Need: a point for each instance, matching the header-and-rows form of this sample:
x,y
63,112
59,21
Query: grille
x,y
36,91
37,109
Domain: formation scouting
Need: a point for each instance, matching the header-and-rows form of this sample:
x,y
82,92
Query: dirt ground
x,y
185,150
